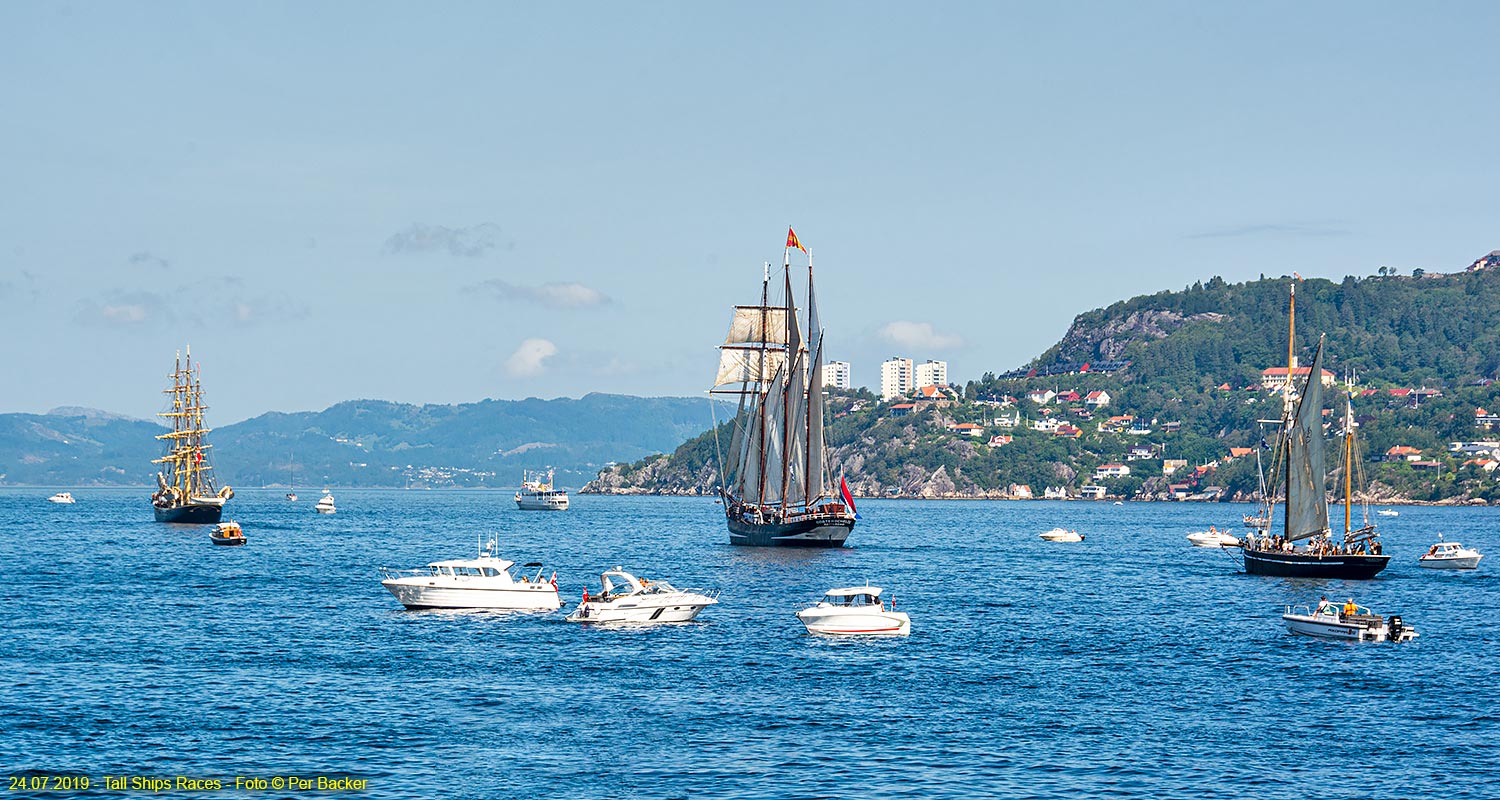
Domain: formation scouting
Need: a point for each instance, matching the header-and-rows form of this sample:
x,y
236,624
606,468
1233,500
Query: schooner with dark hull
x,y
1306,546
775,488
185,486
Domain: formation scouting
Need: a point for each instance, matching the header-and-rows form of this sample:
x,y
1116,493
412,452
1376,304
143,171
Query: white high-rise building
x,y
932,373
895,378
836,375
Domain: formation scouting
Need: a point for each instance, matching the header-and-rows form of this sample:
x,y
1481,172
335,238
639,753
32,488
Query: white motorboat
x,y
65,498
626,598
1213,537
1062,535
325,504
480,582
1450,555
1388,512
538,494
855,611
1351,622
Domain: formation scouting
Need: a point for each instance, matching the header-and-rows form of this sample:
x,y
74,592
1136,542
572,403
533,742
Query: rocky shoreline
x,y
658,478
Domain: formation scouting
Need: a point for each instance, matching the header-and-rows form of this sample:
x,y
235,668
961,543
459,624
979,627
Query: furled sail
x,y
796,407
1306,493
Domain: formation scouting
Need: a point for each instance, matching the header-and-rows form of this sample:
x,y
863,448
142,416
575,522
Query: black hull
x,y
233,542
1304,565
193,515
823,531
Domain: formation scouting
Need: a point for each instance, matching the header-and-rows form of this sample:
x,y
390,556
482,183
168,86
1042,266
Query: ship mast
x,y
765,300
1286,408
1348,462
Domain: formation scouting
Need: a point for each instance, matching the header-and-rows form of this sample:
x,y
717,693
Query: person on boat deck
x,y
1349,608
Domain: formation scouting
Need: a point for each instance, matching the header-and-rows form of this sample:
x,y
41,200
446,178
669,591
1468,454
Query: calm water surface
x,y
1127,665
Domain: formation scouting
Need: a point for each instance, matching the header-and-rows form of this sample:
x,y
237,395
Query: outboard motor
x,y
1396,628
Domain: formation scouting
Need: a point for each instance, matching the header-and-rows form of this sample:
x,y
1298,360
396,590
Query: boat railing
x,y
394,574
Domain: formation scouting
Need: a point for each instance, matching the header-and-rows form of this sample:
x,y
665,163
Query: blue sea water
x,y
1128,665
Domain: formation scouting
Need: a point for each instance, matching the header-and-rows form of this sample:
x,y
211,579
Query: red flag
x,y
848,498
791,240
554,581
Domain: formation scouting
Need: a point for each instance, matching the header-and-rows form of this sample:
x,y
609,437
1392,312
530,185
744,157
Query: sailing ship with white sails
x,y
775,488
185,487
1306,546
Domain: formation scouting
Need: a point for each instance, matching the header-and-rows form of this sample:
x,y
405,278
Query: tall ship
x,y
185,487
1306,546
774,482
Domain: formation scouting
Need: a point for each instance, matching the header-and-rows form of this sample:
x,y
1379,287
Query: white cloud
x,y
128,313
470,242
528,360
553,295
917,336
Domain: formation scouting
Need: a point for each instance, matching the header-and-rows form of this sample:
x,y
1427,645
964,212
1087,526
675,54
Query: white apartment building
x,y
932,373
836,375
895,378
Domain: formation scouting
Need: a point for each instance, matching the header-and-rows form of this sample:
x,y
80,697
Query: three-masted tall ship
x,y
1306,547
185,487
775,487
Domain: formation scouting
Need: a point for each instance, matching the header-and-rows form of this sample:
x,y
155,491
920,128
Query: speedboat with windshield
x,y
64,498
627,598
1062,535
1213,537
484,581
325,504
855,611
1450,555
1350,622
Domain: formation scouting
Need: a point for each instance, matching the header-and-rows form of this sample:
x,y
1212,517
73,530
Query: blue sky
x,y
445,202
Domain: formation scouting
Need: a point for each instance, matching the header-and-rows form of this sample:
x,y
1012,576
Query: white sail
x,y
747,365
757,324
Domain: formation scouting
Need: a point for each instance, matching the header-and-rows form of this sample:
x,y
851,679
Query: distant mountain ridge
x,y
361,443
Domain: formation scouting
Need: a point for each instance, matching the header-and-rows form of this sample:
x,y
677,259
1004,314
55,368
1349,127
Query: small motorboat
x,y
291,497
855,611
1213,537
1450,555
1388,512
325,504
227,534
1351,622
1062,535
1259,522
65,498
626,598
481,582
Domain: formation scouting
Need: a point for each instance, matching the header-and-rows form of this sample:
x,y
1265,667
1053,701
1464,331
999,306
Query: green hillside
x,y
1186,368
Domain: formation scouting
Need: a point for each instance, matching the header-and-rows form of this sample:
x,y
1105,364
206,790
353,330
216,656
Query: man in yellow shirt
x,y
1350,609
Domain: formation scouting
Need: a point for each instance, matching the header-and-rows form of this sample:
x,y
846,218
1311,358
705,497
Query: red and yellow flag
x,y
791,240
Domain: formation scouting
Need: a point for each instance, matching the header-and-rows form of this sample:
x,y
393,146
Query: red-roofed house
x,y
1001,441
902,409
1111,471
1403,453
1097,399
967,428
1241,452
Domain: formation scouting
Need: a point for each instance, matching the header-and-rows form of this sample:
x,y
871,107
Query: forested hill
x,y
1183,374
1403,330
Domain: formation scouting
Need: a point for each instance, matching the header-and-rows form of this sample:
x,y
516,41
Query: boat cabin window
x,y
489,572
